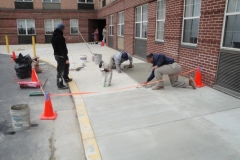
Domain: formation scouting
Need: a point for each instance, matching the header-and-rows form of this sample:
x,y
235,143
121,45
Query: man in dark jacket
x,y
165,65
61,56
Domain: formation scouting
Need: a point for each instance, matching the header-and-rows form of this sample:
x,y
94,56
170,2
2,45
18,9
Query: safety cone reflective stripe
x,y
48,113
198,78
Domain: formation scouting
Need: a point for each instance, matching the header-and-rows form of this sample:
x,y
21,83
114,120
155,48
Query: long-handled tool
x,y
38,93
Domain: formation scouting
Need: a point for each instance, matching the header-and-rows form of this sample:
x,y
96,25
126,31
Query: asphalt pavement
x,y
46,139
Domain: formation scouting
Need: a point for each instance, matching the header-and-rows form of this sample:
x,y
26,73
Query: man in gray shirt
x,y
118,58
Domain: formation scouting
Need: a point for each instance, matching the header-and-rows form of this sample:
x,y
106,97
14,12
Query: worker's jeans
x,y
173,70
60,69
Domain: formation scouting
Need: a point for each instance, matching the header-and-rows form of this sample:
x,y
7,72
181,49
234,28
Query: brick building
x,y
195,33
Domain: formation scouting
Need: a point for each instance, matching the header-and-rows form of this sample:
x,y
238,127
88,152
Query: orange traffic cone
x,y
48,113
198,78
34,76
13,56
102,43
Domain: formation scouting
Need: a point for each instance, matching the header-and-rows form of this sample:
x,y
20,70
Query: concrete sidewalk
x,y
140,124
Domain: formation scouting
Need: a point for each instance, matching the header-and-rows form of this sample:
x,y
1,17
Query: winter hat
x,y
60,26
124,56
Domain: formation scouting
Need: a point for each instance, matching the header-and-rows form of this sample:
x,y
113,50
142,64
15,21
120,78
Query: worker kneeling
x,y
162,64
117,59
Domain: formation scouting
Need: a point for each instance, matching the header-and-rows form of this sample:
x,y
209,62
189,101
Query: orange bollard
x,y
198,78
34,76
13,56
48,113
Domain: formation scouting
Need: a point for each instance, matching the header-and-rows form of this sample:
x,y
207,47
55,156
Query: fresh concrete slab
x,y
181,140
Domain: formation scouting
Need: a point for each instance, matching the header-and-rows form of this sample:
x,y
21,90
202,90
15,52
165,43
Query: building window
x,y
23,0
50,25
85,1
191,21
161,10
141,21
111,25
73,26
121,24
52,1
231,33
26,27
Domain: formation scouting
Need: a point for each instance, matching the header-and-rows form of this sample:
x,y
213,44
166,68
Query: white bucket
x,y
20,114
83,58
97,58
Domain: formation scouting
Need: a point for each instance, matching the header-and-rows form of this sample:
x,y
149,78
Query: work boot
x,y
192,83
157,87
60,87
67,80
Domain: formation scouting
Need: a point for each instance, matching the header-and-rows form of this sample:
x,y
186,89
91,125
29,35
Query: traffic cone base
x,y
199,86
102,43
53,117
48,113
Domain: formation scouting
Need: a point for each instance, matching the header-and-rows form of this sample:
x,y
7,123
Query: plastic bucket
x,y
83,58
97,58
20,115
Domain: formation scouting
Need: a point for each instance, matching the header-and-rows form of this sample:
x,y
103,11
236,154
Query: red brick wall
x,y
115,22
152,46
69,4
7,4
37,4
129,25
209,38
9,24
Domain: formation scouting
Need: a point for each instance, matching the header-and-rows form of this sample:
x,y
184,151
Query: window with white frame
x,y
26,27
52,1
23,0
74,26
161,10
141,21
111,27
191,19
50,25
121,24
231,38
85,1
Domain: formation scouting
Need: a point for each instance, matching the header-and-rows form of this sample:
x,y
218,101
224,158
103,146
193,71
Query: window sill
x,y
230,50
188,46
121,36
141,38
52,2
159,42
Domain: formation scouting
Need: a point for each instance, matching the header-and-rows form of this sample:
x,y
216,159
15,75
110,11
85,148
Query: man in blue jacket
x,y
165,65
61,56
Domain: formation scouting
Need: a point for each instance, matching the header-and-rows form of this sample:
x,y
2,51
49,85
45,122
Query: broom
x,y
38,93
